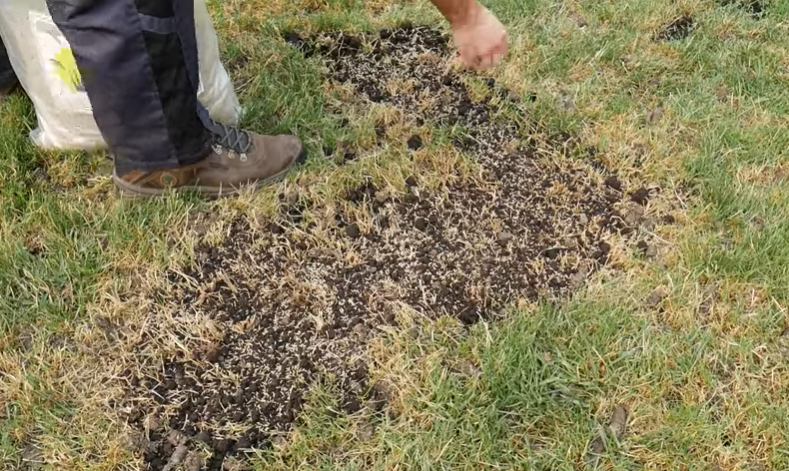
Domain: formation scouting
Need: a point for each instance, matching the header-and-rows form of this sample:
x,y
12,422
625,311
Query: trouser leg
x,y
139,66
7,76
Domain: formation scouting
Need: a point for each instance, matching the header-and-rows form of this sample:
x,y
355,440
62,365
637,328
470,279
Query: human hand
x,y
481,39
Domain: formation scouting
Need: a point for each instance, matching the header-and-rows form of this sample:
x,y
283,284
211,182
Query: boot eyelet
x,y
217,149
243,157
231,154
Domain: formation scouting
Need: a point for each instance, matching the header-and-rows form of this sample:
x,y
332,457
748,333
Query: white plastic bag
x,y
216,90
38,52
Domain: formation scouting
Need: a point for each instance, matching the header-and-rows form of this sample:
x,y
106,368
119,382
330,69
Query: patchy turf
x,y
304,300
632,152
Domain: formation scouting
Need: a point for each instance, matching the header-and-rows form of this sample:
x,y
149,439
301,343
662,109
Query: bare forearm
x,y
457,11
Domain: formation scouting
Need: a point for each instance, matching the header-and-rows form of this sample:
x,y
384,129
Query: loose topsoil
x,y
300,302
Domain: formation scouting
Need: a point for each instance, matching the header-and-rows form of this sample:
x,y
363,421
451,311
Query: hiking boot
x,y
239,159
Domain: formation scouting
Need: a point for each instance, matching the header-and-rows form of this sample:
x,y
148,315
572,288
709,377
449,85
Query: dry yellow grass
x,y
691,338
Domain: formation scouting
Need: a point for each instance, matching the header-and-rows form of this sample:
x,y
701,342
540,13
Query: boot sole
x,y
130,191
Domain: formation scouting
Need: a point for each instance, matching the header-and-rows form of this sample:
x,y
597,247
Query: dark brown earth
x,y
755,8
299,302
678,29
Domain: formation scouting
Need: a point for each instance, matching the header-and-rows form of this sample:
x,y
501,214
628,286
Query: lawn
x,y
574,261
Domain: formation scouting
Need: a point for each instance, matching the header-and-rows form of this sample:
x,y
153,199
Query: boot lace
x,y
235,140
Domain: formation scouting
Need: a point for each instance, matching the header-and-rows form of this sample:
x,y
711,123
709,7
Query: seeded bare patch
x,y
268,312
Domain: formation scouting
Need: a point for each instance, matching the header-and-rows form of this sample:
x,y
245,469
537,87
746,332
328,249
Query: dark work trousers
x,y
139,66
7,76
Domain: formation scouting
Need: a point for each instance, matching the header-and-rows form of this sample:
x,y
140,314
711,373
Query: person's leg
x,y
139,65
7,76
133,68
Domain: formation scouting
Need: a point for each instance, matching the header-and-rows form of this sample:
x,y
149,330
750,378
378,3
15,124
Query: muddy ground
x,y
266,314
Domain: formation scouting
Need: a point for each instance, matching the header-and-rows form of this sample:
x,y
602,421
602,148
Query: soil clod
x,y
295,40
614,183
678,29
616,429
641,196
353,231
755,8
415,142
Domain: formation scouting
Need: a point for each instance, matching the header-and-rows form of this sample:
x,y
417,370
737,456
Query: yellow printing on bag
x,y
47,69
67,70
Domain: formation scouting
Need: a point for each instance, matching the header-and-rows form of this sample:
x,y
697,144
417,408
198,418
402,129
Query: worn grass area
x,y
692,340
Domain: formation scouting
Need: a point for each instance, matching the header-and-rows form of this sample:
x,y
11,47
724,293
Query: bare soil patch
x,y
267,313
679,29
755,8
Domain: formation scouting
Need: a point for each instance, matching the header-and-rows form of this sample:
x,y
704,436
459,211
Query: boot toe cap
x,y
293,148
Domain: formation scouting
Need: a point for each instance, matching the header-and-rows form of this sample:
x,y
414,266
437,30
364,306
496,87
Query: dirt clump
x,y
755,8
678,29
298,303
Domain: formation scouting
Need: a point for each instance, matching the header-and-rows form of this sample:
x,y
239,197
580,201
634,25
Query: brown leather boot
x,y
239,159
